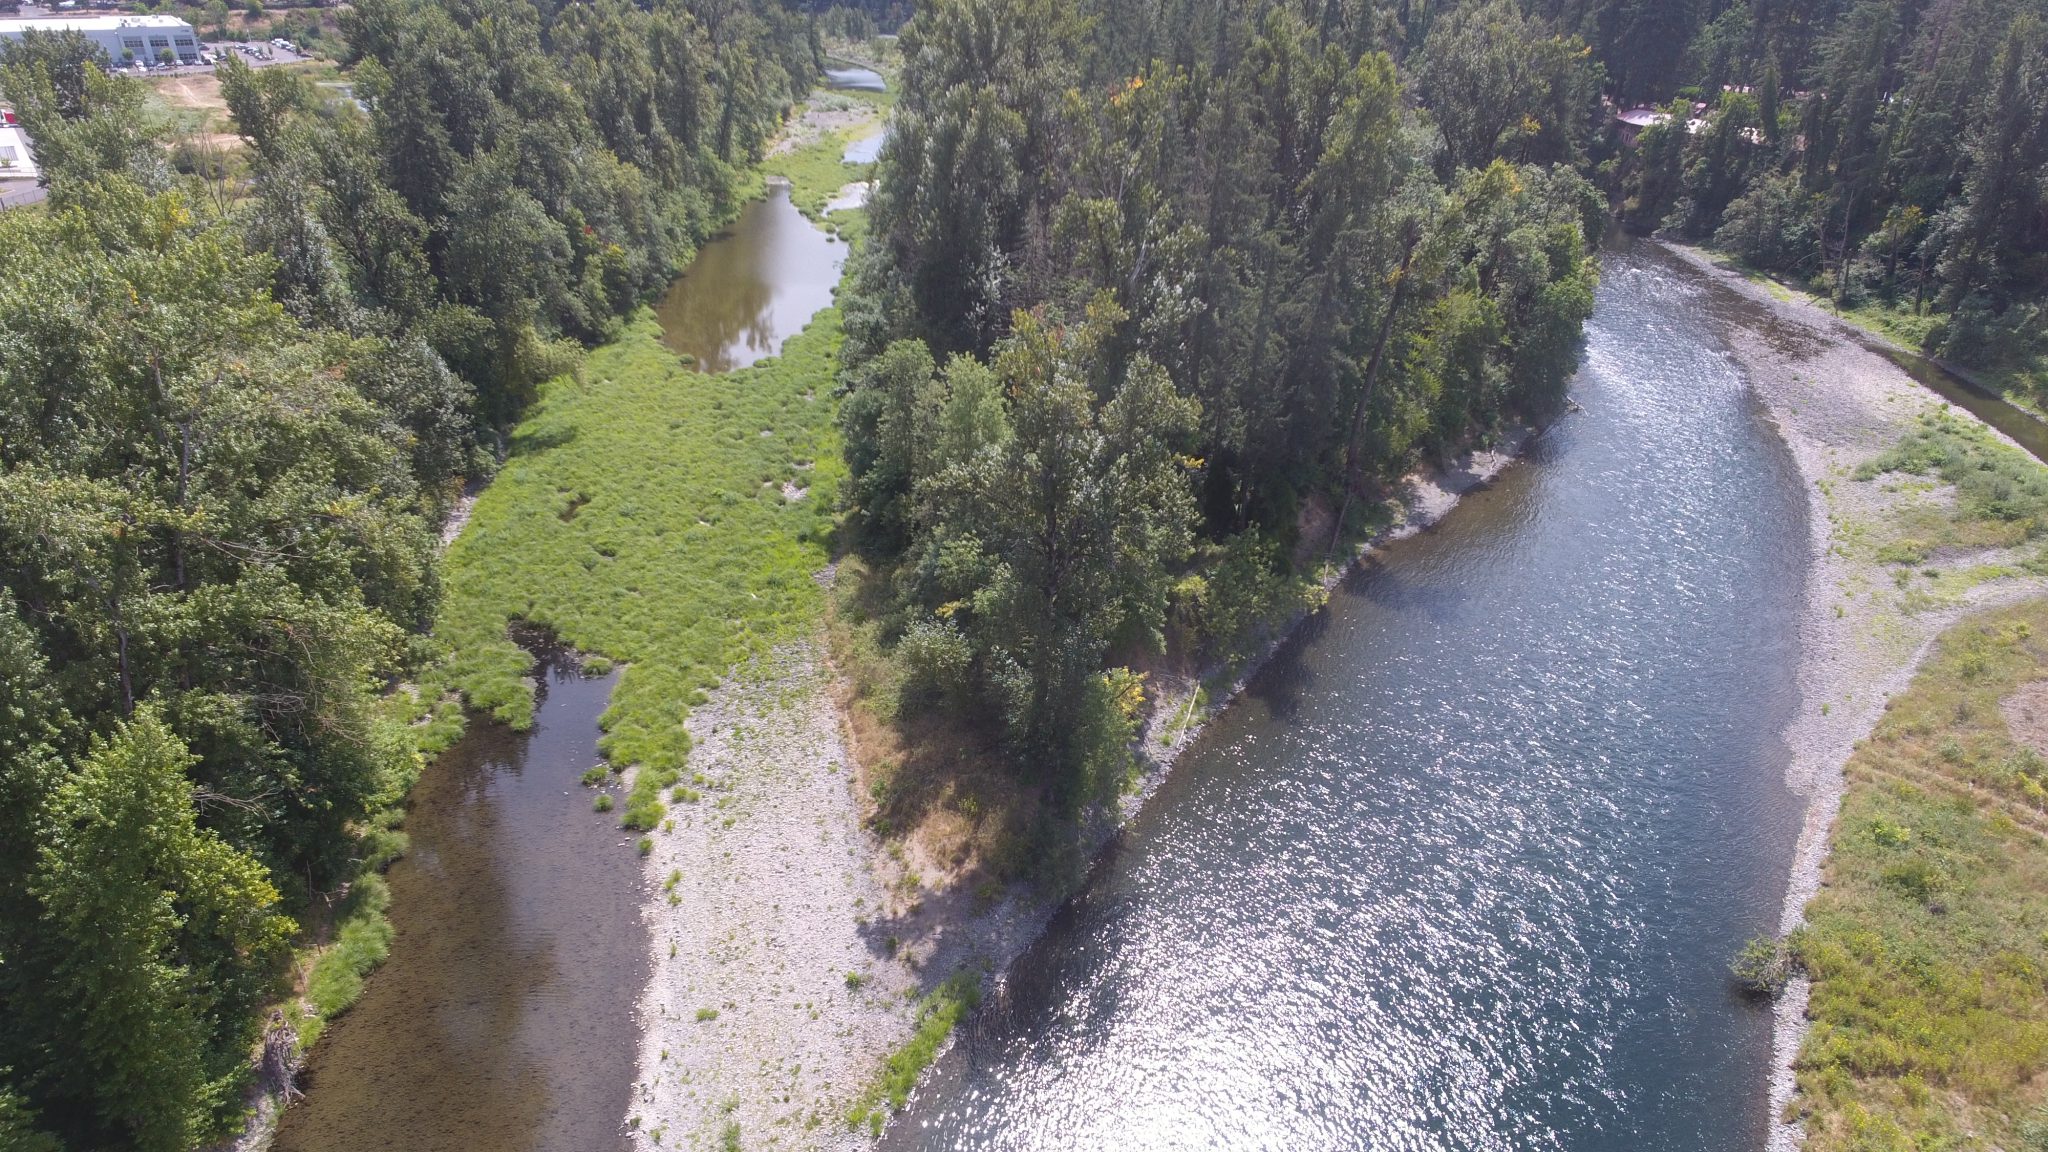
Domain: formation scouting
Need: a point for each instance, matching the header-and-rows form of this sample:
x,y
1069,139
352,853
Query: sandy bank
x,y
1837,404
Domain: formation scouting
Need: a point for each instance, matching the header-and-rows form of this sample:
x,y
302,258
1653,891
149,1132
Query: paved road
x,y
15,193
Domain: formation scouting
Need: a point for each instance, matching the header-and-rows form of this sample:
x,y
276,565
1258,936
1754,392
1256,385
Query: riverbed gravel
x,y
789,945
1837,404
774,996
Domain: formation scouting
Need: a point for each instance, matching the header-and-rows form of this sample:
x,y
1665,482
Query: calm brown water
x,y
502,1021
503,1018
752,288
1464,868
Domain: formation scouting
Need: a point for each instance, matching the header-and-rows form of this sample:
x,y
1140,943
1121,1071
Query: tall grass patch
x,y
942,1008
667,518
1929,946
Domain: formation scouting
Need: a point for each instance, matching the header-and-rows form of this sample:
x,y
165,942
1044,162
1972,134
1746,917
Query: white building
x,y
16,163
125,39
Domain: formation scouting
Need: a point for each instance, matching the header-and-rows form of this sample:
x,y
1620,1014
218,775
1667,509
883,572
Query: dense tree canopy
x,y
232,414
1224,272
1155,298
1887,149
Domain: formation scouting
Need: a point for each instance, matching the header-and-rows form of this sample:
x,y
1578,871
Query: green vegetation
x,y
360,944
818,170
1762,967
235,403
1890,159
2000,493
941,1009
1928,944
684,555
213,545
1139,344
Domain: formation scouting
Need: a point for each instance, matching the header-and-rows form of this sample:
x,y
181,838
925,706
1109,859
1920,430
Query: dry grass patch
x,y
1928,947
937,790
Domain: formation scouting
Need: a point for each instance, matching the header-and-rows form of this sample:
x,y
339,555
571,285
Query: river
x,y
1464,867
498,1020
503,1018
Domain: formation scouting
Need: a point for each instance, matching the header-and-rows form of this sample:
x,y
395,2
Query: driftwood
x,y
277,1068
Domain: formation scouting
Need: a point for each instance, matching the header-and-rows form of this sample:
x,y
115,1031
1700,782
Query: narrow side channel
x,y
499,1019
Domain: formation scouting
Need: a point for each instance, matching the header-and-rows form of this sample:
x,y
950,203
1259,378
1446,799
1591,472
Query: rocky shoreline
x,y
1837,404
789,945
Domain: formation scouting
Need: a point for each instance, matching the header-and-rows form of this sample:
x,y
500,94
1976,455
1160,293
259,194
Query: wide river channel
x,y
1464,868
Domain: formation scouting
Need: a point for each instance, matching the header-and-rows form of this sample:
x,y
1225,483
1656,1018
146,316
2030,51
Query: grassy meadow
x,y
665,518
658,516
1928,947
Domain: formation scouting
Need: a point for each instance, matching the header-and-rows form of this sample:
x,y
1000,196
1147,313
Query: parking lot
x,y
254,55
259,54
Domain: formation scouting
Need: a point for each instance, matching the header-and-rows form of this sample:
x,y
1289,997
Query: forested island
x,y
1149,312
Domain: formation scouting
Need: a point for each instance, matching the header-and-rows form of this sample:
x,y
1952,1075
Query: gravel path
x,y
1838,404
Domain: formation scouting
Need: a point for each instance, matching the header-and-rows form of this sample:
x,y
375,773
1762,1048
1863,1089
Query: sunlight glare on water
x,y
1463,870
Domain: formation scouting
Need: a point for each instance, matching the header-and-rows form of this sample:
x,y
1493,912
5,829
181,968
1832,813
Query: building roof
x,y
88,23
1642,117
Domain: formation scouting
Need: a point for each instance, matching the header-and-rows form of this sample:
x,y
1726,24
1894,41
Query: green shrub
x,y
1762,967
941,1010
1907,552
934,656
